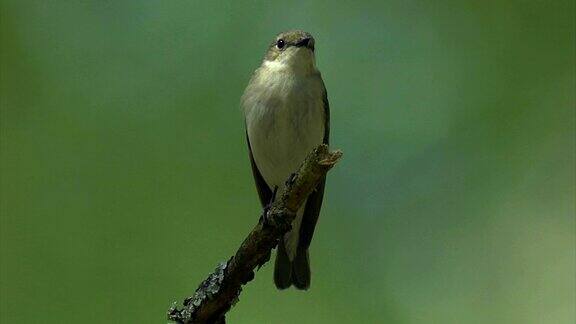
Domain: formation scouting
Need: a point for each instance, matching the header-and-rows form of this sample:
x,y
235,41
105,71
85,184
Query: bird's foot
x,y
266,211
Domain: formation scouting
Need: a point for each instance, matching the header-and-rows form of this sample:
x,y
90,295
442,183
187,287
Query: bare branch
x,y
219,292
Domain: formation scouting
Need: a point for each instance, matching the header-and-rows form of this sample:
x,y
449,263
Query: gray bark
x,y
220,291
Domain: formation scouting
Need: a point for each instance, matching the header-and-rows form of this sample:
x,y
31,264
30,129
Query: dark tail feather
x,y
282,267
301,270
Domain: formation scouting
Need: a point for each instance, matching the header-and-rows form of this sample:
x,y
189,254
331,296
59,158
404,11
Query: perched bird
x,y
287,116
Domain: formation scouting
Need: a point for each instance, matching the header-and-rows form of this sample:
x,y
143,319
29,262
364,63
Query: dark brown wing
x,y
264,192
314,202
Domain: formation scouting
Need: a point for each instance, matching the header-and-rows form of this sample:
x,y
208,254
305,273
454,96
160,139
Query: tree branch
x,y
219,292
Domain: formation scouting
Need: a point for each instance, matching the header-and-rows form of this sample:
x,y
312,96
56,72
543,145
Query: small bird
x,y
287,115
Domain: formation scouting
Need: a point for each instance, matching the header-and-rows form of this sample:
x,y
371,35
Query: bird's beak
x,y
306,42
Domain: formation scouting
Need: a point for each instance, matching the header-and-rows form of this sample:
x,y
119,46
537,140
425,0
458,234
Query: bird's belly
x,y
282,135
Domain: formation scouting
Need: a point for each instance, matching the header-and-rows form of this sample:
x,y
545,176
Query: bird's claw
x,y
266,210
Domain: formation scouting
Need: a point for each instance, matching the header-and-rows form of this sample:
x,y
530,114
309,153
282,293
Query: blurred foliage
x,y
125,177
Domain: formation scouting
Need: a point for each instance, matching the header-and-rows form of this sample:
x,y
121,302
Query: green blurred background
x,y
125,177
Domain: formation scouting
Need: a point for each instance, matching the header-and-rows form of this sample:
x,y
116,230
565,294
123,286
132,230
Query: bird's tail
x,y
295,272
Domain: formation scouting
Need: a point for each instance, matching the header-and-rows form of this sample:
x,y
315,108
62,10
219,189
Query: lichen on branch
x,y
220,291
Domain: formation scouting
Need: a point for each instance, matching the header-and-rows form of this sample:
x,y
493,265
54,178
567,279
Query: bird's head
x,y
293,49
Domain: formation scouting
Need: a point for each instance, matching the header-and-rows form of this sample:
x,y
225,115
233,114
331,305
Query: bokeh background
x,y
125,177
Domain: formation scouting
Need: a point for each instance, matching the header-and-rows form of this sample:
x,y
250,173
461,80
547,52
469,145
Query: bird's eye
x,y
280,43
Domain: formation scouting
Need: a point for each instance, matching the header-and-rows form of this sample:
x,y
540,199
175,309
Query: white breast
x,y
284,119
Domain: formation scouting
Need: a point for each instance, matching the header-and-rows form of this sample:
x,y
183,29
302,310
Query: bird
x,y
287,115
